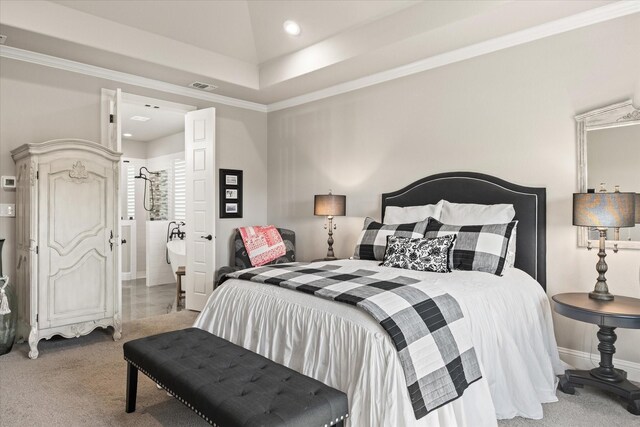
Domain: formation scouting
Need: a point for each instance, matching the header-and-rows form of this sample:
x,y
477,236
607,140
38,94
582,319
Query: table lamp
x,y
603,210
330,205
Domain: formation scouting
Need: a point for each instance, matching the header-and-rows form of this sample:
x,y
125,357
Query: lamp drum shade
x,y
329,205
604,210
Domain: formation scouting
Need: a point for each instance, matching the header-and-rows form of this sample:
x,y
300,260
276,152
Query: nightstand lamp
x,y
601,211
330,205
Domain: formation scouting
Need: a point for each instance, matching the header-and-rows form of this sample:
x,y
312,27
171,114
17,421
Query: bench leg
x,y
132,387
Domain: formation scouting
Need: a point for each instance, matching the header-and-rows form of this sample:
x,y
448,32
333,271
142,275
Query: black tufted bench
x,y
228,385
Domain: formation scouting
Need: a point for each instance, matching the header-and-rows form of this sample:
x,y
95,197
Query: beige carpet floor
x,y
81,382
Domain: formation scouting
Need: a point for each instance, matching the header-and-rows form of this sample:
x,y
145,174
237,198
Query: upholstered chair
x,y
242,258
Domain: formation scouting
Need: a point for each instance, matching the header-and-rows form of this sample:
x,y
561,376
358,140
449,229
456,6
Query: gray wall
x,y
508,114
134,149
168,144
40,104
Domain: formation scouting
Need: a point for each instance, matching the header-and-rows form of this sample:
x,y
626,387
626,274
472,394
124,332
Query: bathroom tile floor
x,y
140,301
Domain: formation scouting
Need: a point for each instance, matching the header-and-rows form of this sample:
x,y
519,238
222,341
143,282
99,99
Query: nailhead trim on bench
x,y
187,404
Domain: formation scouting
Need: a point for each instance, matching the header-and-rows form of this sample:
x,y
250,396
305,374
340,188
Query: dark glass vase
x,y
8,321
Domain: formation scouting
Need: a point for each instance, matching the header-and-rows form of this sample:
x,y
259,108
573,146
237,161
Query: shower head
x,y
140,174
143,175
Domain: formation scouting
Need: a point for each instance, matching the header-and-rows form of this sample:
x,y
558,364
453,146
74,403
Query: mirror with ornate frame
x,y
609,152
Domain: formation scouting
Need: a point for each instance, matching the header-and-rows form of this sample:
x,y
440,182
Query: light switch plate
x,y
8,210
8,182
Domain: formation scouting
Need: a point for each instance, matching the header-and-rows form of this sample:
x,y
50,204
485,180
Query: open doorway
x,y
153,205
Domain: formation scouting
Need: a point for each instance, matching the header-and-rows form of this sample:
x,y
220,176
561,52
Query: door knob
x,y
123,241
208,237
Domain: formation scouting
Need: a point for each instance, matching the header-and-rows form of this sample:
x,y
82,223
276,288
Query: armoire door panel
x,y
65,260
83,217
73,295
76,202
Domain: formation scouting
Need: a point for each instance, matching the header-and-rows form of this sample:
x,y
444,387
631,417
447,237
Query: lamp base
x,y
330,256
601,290
601,296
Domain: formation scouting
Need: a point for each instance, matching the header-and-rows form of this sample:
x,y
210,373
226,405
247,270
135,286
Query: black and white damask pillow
x,y
478,247
419,254
373,238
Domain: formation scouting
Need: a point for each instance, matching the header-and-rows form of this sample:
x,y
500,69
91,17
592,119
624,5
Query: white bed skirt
x,y
345,348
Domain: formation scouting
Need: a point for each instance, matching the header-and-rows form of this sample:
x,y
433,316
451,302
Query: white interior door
x,y
111,137
200,181
128,253
111,122
115,138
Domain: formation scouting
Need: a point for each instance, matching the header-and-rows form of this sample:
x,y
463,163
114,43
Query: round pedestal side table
x,y
622,312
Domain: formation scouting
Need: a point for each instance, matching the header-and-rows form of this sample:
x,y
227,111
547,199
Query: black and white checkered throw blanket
x,y
425,323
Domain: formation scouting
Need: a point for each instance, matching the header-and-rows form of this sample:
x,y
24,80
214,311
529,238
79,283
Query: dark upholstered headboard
x,y
469,187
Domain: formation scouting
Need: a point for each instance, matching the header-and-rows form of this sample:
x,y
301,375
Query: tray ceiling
x,y
240,46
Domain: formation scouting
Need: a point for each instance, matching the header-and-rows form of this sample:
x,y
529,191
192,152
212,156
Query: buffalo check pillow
x,y
373,238
477,247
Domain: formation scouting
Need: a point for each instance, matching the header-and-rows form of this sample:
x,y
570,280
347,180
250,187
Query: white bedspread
x,y
344,347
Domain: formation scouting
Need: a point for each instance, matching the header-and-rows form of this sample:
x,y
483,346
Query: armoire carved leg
x,y
117,327
33,343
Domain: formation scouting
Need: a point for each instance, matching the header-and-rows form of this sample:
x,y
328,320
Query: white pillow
x,y
411,214
474,214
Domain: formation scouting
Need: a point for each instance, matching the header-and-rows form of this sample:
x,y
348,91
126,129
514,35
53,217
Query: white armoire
x,y
66,240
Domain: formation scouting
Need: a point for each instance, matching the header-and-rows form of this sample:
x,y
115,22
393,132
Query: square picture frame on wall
x,y
230,193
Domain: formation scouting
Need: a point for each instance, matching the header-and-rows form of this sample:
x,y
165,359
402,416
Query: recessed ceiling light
x,y
127,135
140,118
292,28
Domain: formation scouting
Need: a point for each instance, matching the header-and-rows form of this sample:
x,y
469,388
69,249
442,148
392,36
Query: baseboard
x,y
141,274
584,360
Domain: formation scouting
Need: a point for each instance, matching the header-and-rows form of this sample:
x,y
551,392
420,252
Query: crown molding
x,y
117,76
580,20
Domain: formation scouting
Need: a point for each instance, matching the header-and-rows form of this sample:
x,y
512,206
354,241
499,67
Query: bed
x,y
509,320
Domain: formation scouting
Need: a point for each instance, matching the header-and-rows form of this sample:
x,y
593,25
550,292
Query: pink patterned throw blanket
x,y
263,244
